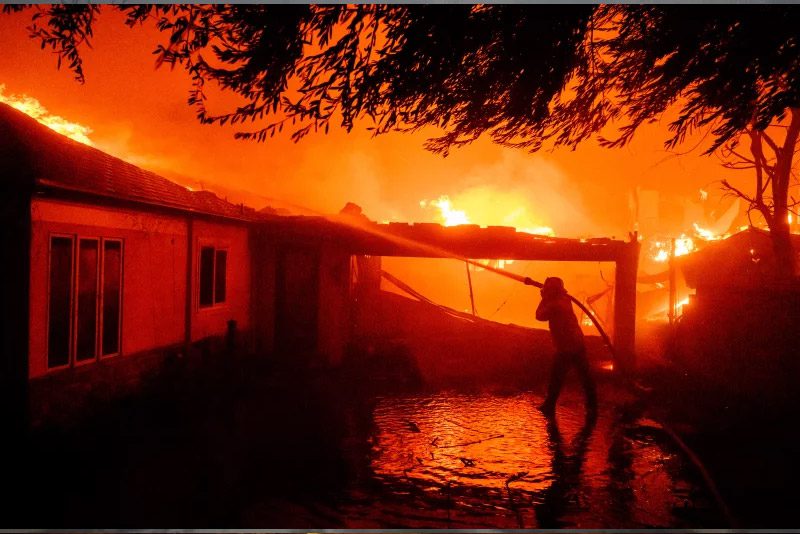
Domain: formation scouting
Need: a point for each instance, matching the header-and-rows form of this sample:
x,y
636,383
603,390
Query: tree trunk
x,y
779,225
782,247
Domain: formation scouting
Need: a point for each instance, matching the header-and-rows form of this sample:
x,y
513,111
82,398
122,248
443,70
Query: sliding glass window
x,y
84,317
60,302
112,296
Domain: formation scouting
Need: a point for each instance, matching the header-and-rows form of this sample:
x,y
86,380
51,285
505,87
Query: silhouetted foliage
x,y
730,73
473,69
522,74
469,70
527,76
725,68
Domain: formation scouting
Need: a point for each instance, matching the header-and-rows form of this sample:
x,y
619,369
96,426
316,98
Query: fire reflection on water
x,y
449,460
464,439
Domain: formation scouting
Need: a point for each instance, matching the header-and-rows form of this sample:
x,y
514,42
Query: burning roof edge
x,y
39,157
33,155
433,240
743,259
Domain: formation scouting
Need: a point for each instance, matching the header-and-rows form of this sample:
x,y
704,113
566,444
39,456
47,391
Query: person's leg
x,y
587,380
561,365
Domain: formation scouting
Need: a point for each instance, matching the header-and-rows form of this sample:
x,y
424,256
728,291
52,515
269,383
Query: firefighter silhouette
x,y
556,309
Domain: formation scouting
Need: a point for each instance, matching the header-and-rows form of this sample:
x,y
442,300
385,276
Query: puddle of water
x,y
451,460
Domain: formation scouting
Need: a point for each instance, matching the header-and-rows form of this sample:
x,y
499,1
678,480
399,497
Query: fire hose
x,y
530,282
361,225
693,457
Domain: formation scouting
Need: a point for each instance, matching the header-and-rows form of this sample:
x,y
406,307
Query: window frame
x,y
216,248
102,296
72,300
76,299
74,277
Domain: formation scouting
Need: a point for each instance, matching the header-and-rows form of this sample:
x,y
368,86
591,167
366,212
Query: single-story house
x,y
122,262
113,270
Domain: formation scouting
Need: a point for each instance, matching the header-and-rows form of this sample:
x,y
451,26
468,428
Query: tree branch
x,y
769,141
758,156
727,185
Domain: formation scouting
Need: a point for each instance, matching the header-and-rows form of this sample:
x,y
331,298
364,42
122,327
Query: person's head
x,y
553,287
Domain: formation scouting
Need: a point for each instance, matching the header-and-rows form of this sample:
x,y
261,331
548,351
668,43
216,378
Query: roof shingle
x,y
55,161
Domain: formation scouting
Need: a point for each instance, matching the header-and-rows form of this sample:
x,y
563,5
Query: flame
x,y
661,256
494,263
707,235
33,108
662,314
447,214
661,249
538,230
684,245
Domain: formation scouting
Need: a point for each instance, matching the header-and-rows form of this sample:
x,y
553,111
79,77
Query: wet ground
x,y
451,460
224,447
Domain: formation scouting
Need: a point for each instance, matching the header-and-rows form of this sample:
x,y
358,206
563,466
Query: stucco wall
x,y
154,277
212,321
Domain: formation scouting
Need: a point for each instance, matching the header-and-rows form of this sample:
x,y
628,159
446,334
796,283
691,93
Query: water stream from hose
x,y
435,251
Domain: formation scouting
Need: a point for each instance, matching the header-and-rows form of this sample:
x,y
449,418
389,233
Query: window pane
x,y
219,283
112,271
206,276
87,300
60,297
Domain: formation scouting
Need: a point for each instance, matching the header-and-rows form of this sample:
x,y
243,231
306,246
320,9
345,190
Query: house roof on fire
x,y
30,152
32,155
745,259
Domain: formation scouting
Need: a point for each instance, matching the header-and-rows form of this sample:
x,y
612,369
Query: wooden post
x,y
627,265
672,288
471,295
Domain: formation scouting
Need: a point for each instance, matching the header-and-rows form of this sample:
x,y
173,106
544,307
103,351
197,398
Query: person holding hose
x,y
556,309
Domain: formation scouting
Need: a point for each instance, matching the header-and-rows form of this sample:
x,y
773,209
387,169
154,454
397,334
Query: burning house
x,y
117,270
741,323
112,264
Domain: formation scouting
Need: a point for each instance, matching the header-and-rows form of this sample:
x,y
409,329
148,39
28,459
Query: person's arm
x,y
543,310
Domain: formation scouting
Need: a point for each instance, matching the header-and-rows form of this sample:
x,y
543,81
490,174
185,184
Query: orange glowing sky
x,y
139,113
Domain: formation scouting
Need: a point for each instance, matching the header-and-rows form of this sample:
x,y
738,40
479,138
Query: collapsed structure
x,y
112,269
741,325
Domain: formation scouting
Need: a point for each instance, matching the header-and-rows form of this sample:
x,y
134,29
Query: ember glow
x,y
538,230
492,210
661,250
448,216
708,235
32,107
